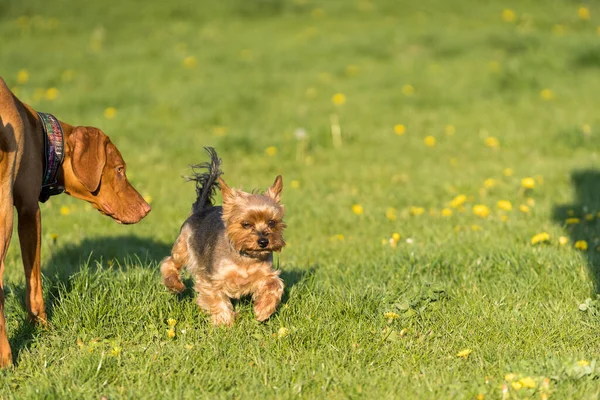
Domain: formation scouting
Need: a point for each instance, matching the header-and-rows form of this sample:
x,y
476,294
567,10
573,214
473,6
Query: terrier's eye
x,y
246,225
272,223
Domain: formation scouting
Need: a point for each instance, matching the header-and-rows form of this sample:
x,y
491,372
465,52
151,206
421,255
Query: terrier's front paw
x,y
223,318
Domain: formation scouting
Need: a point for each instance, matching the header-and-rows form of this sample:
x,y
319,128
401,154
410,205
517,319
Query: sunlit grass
x,y
440,183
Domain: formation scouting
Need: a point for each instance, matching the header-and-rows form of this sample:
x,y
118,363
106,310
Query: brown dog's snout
x,y
146,208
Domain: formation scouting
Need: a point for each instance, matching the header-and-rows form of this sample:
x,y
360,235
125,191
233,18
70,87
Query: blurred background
x,y
377,113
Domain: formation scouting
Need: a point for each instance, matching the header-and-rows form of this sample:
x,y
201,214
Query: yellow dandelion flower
x,y
494,66
51,94
530,202
23,21
583,363
171,333
583,13
504,218
516,385
396,237
417,211
476,228
540,238
110,113
67,75
116,350
547,94
171,322
572,221
391,213
338,237
458,201
357,209
480,396
189,346
589,217
190,62
282,332
391,315
446,212
22,76
528,183
408,90
399,129
489,183
586,129
219,131
449,130
581,245
318,13
246,55
481,210
295,184
508,172
64,210
271,151
352,70
311,93
524,209
508,15
563,240
527,382
492,142
464,353
430,141
504,205
338,99
54,236
509,377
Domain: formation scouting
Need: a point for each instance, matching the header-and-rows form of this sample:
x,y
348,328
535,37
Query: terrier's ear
x,y
226,191
274,191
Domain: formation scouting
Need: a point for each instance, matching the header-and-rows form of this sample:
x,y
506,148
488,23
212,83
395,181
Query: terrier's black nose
x,y
263,242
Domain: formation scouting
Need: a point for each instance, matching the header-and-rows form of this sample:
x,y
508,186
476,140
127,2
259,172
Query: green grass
x,y
264,69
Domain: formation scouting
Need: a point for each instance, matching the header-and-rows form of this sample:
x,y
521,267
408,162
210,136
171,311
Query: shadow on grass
x,y
117,252
581,219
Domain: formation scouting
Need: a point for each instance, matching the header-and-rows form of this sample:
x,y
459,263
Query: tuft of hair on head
x,y
206,182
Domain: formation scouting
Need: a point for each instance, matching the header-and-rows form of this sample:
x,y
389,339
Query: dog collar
x,y
53,156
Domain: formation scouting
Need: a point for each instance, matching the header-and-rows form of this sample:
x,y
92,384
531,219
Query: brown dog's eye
x,y
120,170
246,225
271,223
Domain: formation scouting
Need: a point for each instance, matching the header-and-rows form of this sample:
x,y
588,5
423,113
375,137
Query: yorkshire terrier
x,y
229,249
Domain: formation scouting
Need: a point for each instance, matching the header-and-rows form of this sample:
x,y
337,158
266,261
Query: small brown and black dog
x,y
42,156
229,249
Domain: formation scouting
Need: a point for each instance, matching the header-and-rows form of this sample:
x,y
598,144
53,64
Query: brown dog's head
x,y
94,171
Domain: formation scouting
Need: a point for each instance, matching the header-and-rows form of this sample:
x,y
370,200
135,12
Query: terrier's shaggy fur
x,y
229,249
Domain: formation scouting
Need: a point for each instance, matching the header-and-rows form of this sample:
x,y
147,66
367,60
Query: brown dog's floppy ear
x,y
274,191
88,156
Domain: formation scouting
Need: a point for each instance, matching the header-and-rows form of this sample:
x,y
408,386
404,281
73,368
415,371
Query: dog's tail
x,y
206,182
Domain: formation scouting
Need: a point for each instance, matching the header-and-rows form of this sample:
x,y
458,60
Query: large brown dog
x,y
92,170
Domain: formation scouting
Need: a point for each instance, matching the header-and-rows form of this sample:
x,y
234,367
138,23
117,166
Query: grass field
x,y
406,278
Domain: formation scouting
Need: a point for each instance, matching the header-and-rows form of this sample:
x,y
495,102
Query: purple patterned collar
x,y
53,156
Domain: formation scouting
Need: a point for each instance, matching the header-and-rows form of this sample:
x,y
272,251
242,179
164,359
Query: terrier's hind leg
x,y
170,267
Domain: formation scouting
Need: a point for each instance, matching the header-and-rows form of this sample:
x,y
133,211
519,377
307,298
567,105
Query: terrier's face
x,y
254,222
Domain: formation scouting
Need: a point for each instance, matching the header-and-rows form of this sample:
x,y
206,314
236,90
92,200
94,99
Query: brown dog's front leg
x,y
6,226
30,236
